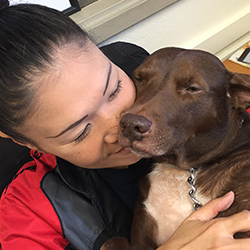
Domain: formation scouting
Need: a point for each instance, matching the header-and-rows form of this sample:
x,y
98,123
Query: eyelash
x,y
83,134
116,91
88,127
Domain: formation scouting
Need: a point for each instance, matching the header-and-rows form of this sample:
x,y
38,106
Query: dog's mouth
x,y
146,150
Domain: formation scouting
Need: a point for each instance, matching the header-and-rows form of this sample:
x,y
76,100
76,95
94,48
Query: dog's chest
x,y
168,201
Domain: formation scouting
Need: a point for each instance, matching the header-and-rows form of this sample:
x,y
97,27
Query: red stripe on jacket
x,y
27,219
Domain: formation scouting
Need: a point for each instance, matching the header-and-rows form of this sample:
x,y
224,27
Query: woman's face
x,y
79,108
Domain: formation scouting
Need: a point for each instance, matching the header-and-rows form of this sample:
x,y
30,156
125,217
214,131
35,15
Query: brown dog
x,y
190,115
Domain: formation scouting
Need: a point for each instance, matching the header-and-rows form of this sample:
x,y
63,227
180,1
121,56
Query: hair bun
x,y
4,4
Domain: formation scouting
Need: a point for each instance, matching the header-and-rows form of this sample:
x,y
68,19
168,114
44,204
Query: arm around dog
x,y
201,231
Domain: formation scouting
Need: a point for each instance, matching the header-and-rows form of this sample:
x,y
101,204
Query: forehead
x,y
74,79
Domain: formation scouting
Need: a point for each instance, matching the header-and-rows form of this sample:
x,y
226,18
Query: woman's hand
x,y
200,231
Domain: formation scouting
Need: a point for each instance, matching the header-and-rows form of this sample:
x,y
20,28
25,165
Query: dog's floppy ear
x,y
239,90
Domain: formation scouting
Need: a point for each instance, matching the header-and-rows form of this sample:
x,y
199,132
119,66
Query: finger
x,y
239,222
228,243
212,208
242,244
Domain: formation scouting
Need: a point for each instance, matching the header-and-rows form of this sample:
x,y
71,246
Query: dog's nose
x,y
134,126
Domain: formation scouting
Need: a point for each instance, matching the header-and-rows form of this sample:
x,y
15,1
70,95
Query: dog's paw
x,y
116,243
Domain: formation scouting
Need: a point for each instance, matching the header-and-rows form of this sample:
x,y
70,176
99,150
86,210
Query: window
x,y
105,18
67,6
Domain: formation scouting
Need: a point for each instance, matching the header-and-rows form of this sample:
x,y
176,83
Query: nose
x,y
134,126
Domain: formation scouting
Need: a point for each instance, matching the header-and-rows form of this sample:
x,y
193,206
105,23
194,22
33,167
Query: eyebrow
x,y
108,78
73,125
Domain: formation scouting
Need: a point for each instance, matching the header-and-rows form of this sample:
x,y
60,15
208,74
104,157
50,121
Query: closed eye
x,y
83,134
192,89
87,129
116,91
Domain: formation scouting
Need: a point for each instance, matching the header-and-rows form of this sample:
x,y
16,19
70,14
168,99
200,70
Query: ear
x,y
28,145
239,90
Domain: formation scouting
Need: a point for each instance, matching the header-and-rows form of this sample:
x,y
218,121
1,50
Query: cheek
x,y
85,154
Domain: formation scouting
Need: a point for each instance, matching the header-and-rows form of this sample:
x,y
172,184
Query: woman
x,y
61,96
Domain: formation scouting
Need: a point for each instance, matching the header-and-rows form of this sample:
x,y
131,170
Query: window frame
x,y
74,8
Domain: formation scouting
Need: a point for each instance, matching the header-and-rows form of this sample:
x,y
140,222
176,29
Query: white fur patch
x,y
168,200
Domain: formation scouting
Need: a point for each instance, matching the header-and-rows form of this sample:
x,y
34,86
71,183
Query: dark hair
x,y
29,37
4,4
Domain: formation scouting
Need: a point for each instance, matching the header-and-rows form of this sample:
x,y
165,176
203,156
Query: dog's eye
x,y
192,89
137,78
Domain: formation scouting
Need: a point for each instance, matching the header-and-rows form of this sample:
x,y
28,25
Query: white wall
x,y
211,25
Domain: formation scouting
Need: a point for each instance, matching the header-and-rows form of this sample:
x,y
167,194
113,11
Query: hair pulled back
x,y
29,36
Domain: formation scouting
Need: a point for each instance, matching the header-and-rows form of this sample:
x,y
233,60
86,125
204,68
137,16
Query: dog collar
x,y
191,181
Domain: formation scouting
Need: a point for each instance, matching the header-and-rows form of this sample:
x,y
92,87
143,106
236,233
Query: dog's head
x,y
184,103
